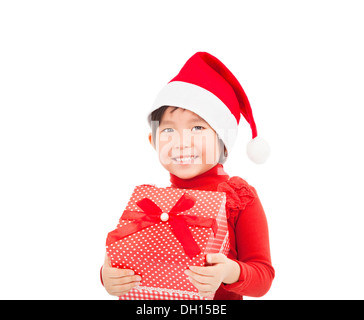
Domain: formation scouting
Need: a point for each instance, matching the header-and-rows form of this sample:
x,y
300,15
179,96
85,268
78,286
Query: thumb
x,y
107,261
215,258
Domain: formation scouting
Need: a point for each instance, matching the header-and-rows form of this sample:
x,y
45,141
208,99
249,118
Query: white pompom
x,y
258,150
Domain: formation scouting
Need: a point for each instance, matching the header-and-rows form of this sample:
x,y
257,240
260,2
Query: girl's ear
x,y
151,140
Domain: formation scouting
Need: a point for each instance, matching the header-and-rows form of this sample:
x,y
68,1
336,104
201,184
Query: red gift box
x,y
161,233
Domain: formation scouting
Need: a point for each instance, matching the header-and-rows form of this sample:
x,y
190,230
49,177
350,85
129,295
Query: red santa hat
x,y
207,87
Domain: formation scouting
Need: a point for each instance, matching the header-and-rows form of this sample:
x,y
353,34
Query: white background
x,y
76,81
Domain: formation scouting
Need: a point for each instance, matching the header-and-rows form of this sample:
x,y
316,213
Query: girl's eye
x,y
197,128
167,130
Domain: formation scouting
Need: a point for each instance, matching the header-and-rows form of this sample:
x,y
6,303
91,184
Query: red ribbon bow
x,y
179,223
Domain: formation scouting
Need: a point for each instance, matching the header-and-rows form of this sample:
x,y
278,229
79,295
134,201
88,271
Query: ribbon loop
x,y
184,203
149,206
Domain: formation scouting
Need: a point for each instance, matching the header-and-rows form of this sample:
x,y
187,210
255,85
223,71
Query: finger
x,y
122,289
200,286
198,277
207,271
107,261
126,280
118,273
206,294
215,258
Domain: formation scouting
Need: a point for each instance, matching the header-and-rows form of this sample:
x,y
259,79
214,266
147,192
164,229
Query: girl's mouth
x,y
184,159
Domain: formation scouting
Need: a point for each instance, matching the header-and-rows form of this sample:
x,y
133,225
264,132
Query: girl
x,y
194,123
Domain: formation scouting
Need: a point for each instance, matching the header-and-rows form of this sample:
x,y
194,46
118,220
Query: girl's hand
x,y
208,279
118,281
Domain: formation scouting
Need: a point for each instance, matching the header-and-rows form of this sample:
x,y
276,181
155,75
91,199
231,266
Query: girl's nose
x,y
184,140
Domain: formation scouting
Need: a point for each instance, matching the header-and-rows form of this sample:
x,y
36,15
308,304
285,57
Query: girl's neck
x,y
206,181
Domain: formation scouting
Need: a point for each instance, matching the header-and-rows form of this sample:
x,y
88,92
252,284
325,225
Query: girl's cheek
x,y
165,151
209,149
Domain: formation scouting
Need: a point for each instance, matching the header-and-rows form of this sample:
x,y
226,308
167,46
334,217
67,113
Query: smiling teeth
x,y
184,159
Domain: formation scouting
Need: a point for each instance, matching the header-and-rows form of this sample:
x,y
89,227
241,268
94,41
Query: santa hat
x,y
206,87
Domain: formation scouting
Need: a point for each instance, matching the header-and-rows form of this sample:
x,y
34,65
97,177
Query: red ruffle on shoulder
x,y
238,195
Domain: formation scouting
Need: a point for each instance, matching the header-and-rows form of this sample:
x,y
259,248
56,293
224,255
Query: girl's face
x,y
186,145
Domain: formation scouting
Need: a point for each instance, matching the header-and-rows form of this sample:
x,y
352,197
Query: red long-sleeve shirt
x,y
249,239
